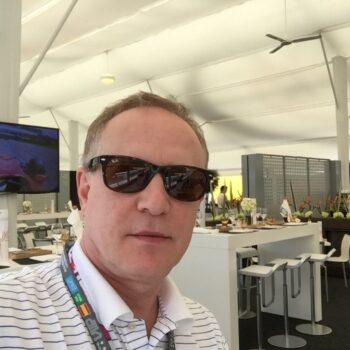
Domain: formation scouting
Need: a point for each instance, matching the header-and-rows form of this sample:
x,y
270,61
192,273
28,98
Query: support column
x,y
73,144
340,84
10,39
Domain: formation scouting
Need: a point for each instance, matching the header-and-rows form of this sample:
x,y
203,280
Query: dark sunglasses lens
x,y
126,175
185,183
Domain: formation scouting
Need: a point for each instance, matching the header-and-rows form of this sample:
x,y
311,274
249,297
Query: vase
x,y
248,219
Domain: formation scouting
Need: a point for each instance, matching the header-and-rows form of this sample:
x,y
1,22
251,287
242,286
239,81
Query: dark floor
x,y
336,315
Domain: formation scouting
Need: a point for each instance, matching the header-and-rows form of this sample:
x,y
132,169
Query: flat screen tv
x,y
29,159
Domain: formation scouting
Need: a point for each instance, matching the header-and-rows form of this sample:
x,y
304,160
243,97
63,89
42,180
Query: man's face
x,y
139,236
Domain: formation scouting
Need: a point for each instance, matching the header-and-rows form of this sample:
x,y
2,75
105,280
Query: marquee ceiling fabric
x,y
211,55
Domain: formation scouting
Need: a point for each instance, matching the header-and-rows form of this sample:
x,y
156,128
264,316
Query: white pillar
x,y
340,85
73,144
10,39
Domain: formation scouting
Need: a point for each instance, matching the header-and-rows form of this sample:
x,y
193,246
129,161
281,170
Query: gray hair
x,y
141,99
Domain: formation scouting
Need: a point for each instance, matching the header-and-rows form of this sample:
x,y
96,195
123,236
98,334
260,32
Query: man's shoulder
x,y
198,311
29,289
37,311
205,328
29,277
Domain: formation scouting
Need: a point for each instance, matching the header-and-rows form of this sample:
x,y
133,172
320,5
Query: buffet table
x,y
208,272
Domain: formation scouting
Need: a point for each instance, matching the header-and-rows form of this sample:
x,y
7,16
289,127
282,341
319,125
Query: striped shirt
x,y
37,312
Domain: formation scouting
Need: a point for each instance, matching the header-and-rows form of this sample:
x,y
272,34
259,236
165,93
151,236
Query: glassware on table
x,y
232,216
56,234
263,214
258,215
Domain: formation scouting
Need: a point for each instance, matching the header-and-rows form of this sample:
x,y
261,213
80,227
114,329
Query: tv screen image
x,y
29,158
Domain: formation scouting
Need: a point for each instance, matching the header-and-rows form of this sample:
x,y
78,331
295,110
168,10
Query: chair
x,y
286,340
245,253
323,242
41,235
25,236
56,229
21,229
344,256
261,272
313,328
41,230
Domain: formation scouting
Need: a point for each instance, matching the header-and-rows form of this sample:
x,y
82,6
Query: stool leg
x,y
313,328
247,313
258,314
326,281
240,288
345,278
243,286
286,340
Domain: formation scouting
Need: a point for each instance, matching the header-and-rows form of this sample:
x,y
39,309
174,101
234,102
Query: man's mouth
x,y
151,237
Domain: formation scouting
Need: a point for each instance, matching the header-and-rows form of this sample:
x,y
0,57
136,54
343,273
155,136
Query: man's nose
x,y
154,199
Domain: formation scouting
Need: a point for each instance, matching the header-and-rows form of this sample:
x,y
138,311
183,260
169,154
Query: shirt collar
x,y
108,305
105,301
175,307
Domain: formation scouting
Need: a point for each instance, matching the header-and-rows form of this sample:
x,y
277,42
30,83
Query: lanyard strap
x,y
79,298
98,333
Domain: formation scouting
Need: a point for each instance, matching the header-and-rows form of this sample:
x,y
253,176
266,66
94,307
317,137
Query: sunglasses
x,y
130,175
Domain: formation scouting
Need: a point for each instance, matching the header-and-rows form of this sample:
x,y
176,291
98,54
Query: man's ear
x,y
83,186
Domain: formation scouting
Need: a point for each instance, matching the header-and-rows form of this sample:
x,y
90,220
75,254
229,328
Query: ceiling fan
x,y
284,42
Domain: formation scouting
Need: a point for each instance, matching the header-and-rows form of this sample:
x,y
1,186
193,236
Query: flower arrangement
x,y
341,205
337,207
27,206
248,205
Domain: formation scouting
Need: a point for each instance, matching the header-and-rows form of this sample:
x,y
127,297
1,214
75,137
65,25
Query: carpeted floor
x,y
336,315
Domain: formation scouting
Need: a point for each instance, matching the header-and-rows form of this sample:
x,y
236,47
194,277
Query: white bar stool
x,y
260,272
247,253
286,340
314,328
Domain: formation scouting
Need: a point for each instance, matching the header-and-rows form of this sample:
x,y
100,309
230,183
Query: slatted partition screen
x,y
273,184
319,179
270,178
296,175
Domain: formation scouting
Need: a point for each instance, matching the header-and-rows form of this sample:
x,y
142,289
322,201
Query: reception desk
x,y
208,272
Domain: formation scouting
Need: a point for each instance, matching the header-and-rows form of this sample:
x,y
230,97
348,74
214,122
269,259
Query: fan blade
x,y
277,48
305,39
275,37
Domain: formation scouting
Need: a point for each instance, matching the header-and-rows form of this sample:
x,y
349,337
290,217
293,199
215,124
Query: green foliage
x,y
325,214
308,214
338,215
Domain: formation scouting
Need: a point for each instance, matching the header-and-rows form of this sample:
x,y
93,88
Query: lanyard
x,y
98,333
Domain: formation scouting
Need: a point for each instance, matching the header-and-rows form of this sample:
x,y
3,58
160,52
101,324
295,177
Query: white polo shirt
x,y
37,312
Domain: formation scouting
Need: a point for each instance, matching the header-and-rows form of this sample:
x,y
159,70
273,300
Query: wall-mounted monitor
x,y
29,158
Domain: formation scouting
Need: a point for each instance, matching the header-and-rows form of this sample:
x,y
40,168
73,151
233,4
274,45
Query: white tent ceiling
x,y
212,55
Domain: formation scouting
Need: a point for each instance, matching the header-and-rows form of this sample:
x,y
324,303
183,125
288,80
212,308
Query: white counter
x,y
208,272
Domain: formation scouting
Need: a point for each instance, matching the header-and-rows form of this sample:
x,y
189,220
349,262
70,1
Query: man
x,y
142,179
222,199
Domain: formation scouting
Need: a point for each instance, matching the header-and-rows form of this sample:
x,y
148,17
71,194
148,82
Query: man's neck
x,y
141,298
